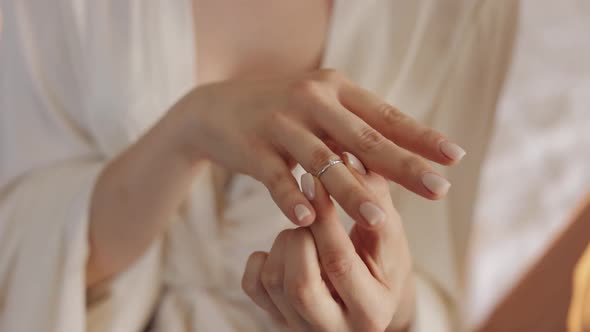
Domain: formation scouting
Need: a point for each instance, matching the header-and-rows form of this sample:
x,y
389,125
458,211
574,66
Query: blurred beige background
x,y
539,163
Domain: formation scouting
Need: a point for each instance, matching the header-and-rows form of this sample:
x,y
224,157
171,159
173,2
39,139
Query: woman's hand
x,y
318,278
263,127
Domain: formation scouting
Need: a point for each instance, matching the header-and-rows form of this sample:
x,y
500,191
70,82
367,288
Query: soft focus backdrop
x,y
539,163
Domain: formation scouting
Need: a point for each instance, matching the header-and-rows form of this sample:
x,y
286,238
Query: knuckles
x,y
391,116
300,292
320,157
272,280
370,140
250,282
336,263
306,91
313,87
283,237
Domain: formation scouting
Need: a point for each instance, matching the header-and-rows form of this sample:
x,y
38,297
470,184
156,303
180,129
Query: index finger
x,y
349,275
400,128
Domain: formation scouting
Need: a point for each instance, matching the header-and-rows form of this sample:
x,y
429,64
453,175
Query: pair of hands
x,y
317,278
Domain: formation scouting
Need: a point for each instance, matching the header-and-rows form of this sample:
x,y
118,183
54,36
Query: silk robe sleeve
x,y
48,167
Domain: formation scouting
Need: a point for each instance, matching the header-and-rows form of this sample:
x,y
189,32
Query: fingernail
x,y
452,150
436,183
301,211
308,186
354,162
372,214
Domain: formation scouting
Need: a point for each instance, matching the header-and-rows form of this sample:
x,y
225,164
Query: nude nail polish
x,y
372,213
301,212
452,150
308,186
436,184
354,162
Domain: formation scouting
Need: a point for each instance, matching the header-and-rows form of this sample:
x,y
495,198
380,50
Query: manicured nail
x,y
372,214
354,162
436,183
301,211
452,150
308,186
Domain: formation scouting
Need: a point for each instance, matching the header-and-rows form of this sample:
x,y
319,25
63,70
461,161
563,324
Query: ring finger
x,y
313,154
381,154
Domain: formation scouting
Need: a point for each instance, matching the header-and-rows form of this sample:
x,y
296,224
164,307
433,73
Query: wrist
x,y
178,132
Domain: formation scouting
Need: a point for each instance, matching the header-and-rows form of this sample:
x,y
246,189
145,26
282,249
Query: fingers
x,y
276,175
304,286
347,272
272,278
385,250
380,244
293,289
313,154
399,127
252,285
381,155
372,181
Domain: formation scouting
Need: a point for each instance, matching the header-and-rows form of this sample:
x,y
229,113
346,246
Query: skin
x,y
231,47
257,122
256,127
318,278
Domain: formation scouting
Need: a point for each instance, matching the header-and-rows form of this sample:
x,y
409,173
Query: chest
x,y
258,37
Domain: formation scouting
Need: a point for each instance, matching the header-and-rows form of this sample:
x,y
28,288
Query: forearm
x,y
134,198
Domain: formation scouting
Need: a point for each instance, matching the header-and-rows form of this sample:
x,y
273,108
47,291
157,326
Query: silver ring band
x,y
328,165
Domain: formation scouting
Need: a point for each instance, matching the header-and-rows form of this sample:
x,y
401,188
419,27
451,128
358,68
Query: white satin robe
x,y
80,80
